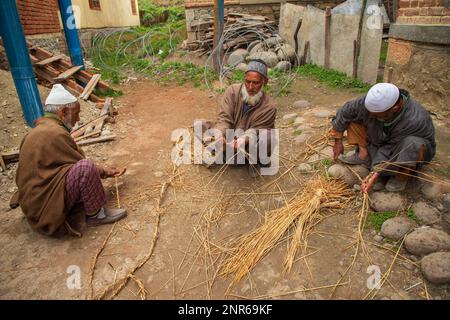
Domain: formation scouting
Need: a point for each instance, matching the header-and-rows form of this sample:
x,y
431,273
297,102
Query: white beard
x,y
251,100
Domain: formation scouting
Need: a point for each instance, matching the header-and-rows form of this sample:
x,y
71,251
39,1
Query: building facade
x,y
42,25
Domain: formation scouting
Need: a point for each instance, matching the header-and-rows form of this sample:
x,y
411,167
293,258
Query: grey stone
x,y
327,152
378,186
242,67
258,48
323,114
378,238
290,116
304,167
342,172
283,66
253,45
274,41
298,121
427,240
300,139
270,58
426,213
431,191
301,104
396,228
357,187
285,52
446,201
387,201
436,267
238,56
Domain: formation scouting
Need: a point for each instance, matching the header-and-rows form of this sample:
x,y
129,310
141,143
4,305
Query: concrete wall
x,y
113,13
343,33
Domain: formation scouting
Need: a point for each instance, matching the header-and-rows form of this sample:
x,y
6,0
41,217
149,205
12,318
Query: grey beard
x,y
251,100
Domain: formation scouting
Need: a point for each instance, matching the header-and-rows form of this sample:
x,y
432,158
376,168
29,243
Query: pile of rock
x,y
425,238
273,51
239,30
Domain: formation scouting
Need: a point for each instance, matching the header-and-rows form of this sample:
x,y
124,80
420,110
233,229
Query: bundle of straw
x,y
303,212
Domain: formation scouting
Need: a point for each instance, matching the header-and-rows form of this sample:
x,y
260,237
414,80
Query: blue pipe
x,y
70,30
221,12
19,61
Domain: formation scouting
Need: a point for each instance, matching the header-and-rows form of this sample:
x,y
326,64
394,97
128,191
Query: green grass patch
x,y
297,132
154,13
376,219
383,52
332,78
412,215
107,93
326,162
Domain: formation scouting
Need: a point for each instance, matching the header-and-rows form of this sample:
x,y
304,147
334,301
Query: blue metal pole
x,y
19,61
221,12
70,30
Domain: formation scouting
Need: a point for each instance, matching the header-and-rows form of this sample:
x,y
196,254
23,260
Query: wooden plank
x,y
66,74
2,164
90,87
49,60
11,155
88,127
97,140
107,109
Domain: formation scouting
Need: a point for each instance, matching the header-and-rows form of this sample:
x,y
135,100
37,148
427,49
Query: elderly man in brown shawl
x,y
54,178
245,120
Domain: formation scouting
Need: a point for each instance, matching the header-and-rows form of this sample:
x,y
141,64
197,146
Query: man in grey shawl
x,y
394,135
247,109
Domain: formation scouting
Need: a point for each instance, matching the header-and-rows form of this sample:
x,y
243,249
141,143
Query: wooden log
x,y
89,127
68,73
97,140
107,108
90,87
2,164
82,75
11,155
49,60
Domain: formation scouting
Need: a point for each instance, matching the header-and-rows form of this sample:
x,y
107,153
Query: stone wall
x,y
418,56
423,69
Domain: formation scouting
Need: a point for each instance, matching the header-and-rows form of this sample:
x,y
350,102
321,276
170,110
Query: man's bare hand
x,y
368,183
338,148
112,172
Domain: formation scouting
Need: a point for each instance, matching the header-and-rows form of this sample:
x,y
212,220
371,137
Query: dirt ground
x,y
200,206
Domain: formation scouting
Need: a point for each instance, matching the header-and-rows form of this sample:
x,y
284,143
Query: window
x,y
95,4
133,7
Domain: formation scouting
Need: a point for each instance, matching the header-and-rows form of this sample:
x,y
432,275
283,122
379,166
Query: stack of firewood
x,y
239,31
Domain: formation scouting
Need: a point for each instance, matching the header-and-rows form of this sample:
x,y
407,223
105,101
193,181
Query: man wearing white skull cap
x,y
54,178
393,134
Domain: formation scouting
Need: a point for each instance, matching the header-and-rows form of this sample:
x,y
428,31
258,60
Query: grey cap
x,y
257,66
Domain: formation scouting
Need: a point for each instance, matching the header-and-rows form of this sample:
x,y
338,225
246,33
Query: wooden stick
x,y
117,192
97,140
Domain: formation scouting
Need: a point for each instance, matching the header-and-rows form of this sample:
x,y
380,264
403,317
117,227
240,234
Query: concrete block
x,y
290,15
